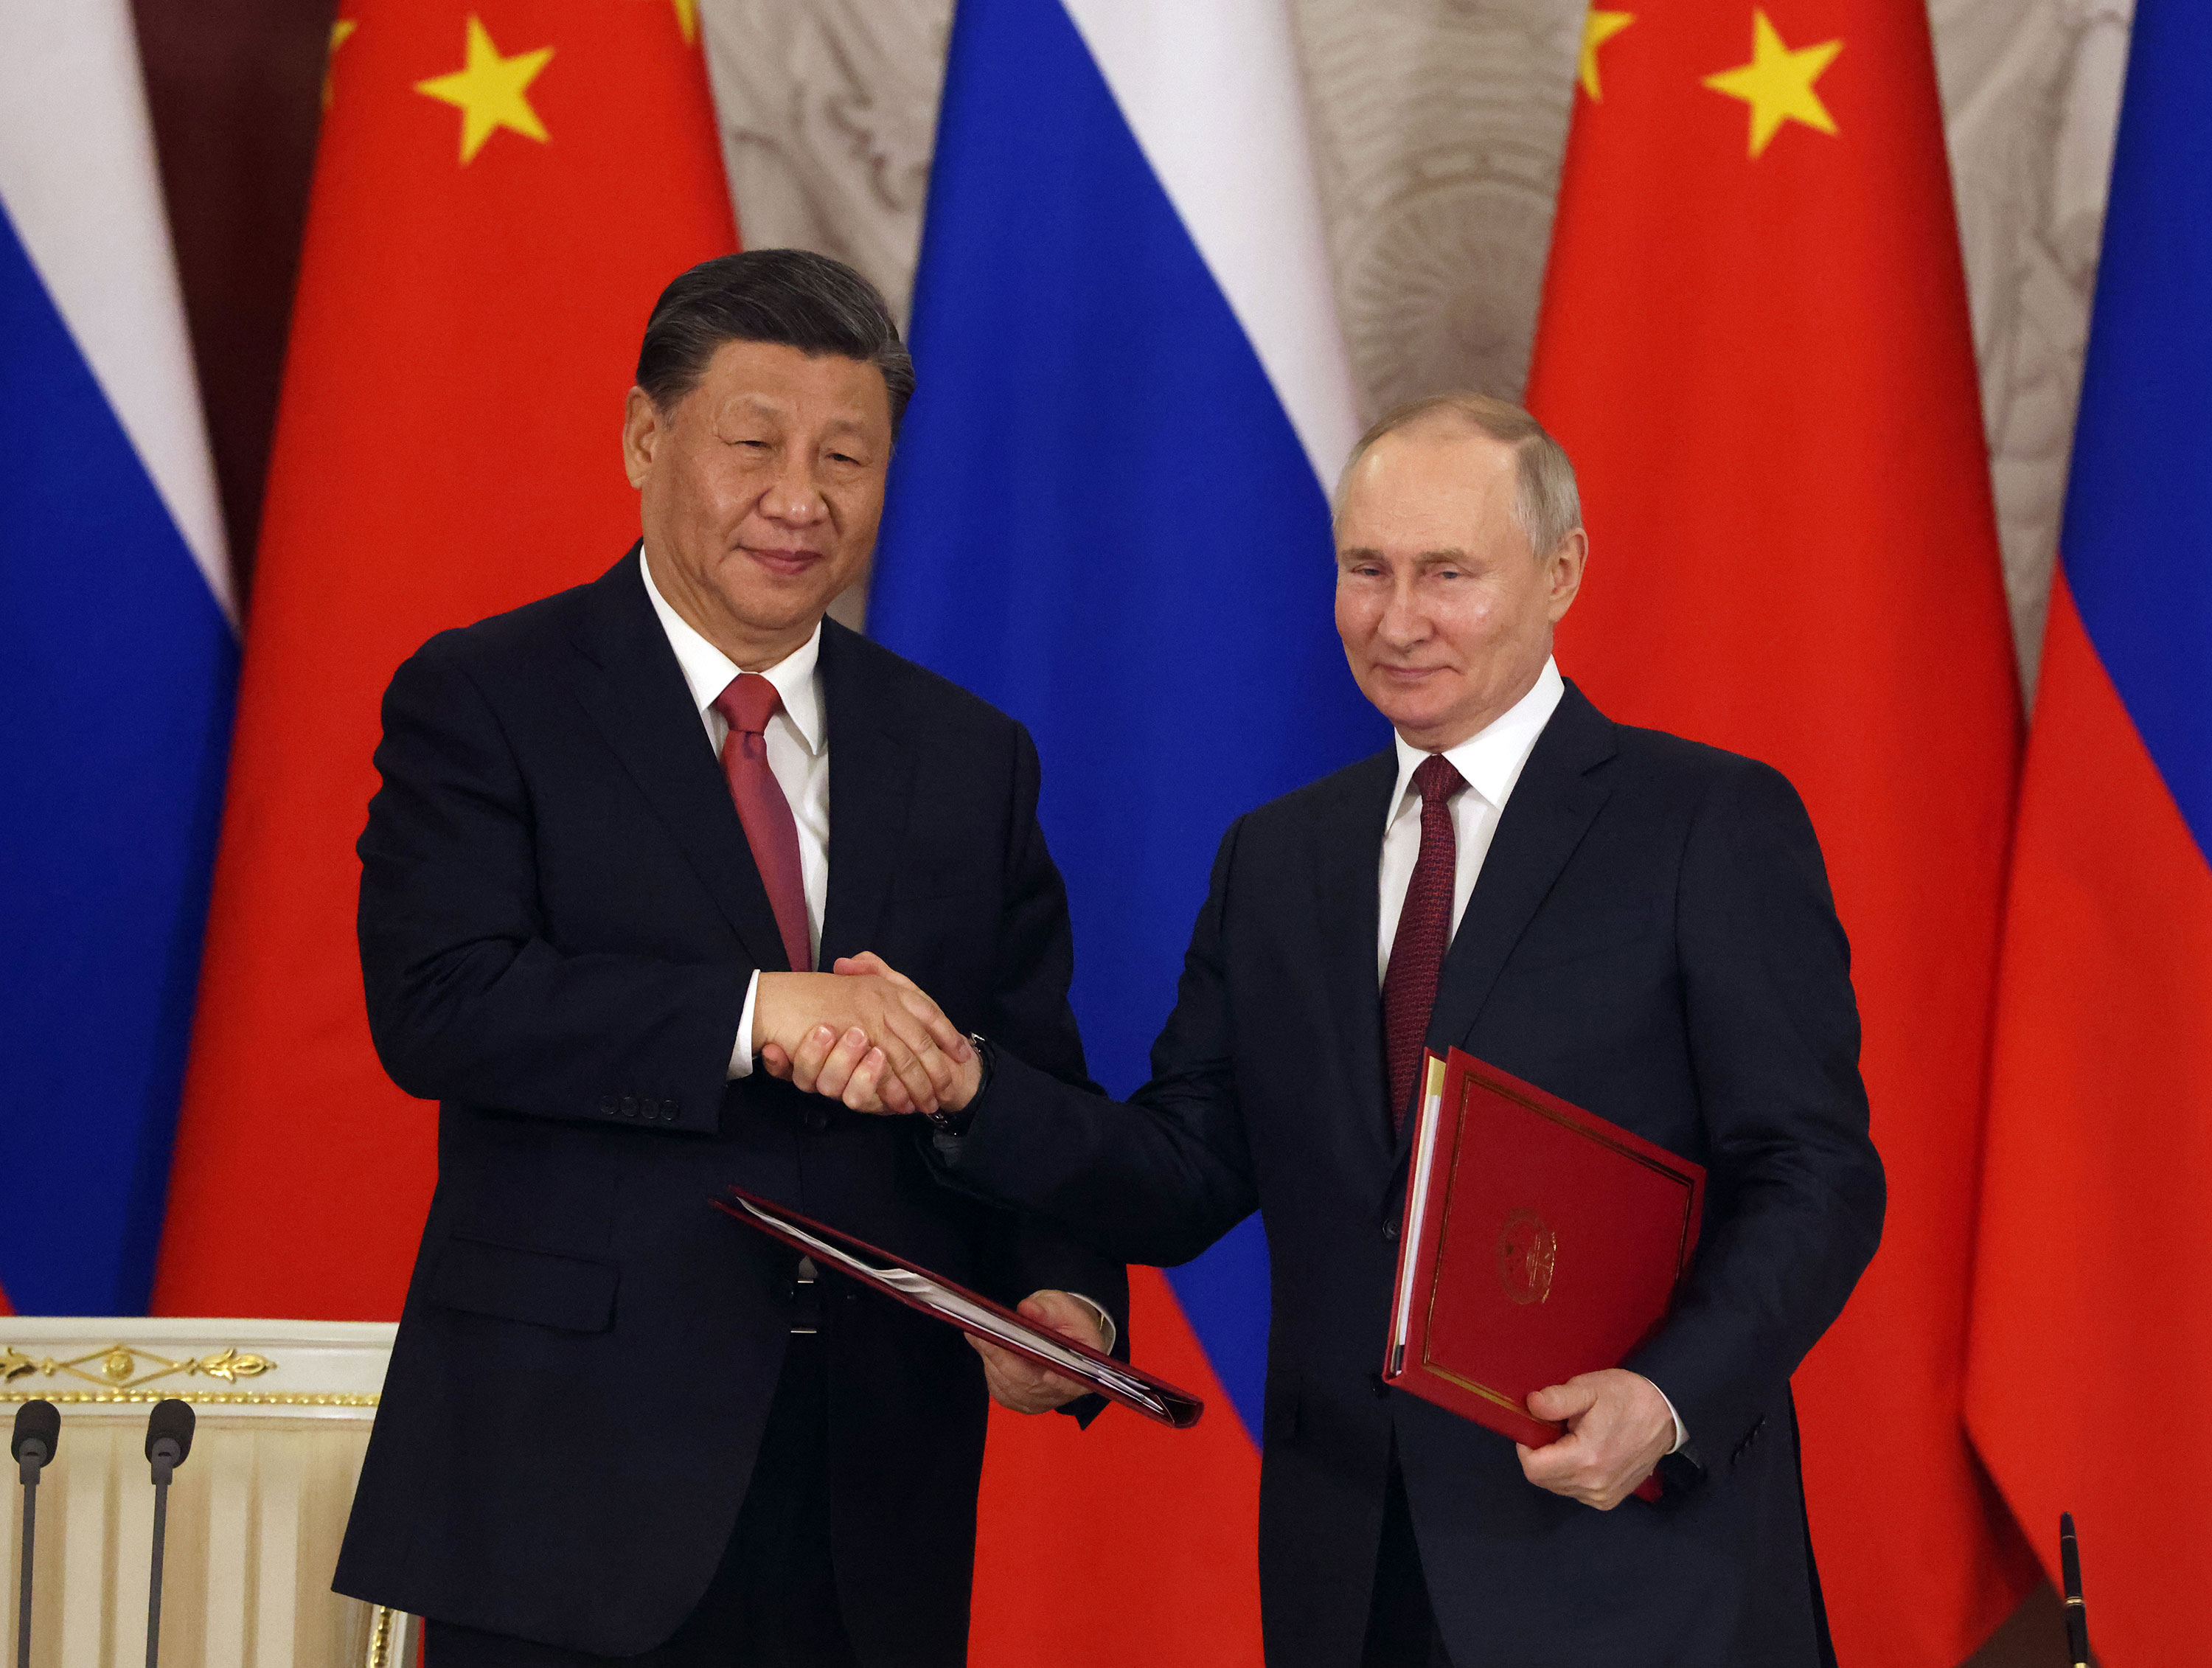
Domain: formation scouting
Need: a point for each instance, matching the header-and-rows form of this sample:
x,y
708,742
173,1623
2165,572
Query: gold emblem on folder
x,y
1528,1253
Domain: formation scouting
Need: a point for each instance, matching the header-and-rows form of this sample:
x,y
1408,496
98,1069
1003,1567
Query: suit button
x,y
816,1119
668,1111
629,1106
609,1107
1390,1230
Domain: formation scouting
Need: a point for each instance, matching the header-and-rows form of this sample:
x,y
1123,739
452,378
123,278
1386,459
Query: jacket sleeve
x,y
468,1000
1031,1018
1795,1189
1154,1179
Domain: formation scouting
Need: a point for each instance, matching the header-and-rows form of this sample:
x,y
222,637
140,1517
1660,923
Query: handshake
x,y
864,1034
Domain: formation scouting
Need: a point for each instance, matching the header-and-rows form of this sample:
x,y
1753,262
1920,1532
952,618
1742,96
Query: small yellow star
x,y
1598,27
339,31
1777,83
490,91
687,18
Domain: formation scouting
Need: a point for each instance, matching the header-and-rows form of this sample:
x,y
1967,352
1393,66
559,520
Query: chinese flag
x,y
502,189
1755,344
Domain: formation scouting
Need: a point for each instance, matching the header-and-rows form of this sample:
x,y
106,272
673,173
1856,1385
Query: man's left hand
x,y
1014,1382
1618,1428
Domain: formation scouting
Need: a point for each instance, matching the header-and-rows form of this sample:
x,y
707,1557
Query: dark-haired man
x,y
618,830
1638,923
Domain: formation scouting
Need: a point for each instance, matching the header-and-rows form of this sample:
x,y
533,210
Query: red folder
x,y
974,1314
1539,1241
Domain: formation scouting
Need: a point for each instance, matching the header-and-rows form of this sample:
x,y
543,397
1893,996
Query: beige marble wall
x,y
1438,129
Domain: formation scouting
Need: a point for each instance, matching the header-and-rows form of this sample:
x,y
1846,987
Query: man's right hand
x,y
907,1050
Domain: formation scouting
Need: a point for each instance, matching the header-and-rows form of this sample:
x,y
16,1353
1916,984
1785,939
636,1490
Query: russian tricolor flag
x,y
115,689
2092,1338
1109,517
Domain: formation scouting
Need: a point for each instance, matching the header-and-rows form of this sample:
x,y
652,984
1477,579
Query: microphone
x,y
168,1440
38,1433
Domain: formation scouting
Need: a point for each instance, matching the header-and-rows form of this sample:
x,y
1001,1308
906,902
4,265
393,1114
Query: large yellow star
x,y
1777,83
1598,27
490,91
687,18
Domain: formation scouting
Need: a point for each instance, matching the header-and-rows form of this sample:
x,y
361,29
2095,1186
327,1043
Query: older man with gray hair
x,y
1635,923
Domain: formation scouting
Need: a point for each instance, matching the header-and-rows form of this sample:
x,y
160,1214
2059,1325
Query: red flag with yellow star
x,y
1755,344
502,189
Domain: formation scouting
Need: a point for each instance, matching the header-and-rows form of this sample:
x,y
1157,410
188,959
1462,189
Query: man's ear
x,y
1565,573
641,431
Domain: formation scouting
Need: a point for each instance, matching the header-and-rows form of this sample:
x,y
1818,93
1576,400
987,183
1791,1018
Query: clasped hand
x,y
865,1035
1618,1428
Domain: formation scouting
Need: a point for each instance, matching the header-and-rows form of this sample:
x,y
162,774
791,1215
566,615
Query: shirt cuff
x,y
1681,1431
741,1051
1111,1332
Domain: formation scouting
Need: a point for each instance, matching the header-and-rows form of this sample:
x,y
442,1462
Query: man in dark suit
x,y
1635,923
618,830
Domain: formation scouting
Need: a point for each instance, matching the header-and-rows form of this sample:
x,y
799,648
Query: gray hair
x,y
1546,503
789,297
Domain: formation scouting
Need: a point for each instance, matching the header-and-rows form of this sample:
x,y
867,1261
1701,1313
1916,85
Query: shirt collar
x,y
707,670
1491,759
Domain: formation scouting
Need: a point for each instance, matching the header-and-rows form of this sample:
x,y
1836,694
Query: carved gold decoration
x,y
119,1367
242,1398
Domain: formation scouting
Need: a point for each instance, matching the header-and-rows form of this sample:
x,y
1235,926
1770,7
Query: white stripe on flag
x,y
1212,94
77,176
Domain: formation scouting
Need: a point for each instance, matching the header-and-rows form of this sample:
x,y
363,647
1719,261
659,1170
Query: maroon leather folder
x,y
973,1314
1539,1241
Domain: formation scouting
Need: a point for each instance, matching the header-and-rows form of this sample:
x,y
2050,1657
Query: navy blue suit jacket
x,y
559,915
1652,937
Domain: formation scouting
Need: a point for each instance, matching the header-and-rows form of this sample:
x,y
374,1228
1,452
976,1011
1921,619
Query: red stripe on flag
x,y
1128,1543
2093,1291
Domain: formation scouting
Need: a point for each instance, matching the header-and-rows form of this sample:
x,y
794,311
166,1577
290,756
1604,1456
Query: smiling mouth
x,y
788,562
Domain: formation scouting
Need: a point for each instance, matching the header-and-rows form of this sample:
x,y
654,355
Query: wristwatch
x,y
955,1123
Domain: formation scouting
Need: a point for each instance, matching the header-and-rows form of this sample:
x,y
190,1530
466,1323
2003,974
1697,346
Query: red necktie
x,y
1417,953
749,703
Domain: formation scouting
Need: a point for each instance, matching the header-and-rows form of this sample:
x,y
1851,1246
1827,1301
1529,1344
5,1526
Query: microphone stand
x,y
168,1440
38,1426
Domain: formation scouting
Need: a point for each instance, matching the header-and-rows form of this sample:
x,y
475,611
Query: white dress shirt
x,y
798,757
1491,762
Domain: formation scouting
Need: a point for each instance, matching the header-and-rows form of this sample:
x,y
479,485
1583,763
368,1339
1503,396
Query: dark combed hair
x,y
793,298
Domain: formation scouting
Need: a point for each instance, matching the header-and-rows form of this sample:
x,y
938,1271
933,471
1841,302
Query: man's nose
x,y
793,496
1403,622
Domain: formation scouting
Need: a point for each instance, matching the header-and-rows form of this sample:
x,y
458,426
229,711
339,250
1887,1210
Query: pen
x,y
2077,1614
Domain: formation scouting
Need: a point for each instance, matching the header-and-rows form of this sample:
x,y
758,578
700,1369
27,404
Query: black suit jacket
x,y
559,915
1652,937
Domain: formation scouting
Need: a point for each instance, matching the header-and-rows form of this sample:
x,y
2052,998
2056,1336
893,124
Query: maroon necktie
x,y
749,703
1417,953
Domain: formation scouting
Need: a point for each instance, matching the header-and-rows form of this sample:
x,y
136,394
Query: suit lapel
x,y
633,691
1552,807
1348,851
871,769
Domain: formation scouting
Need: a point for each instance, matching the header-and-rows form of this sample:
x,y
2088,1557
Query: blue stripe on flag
x,y
115,689
1102,521
2137,544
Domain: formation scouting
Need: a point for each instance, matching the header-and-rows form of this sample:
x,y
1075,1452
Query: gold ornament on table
x,y
120,1366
